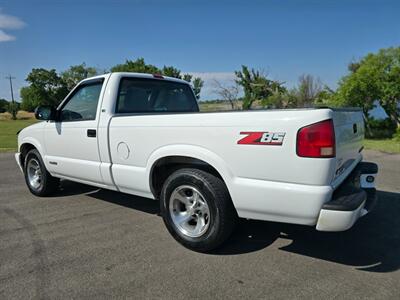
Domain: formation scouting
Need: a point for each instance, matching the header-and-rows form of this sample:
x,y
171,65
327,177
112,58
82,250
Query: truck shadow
x,y
372,245
69,188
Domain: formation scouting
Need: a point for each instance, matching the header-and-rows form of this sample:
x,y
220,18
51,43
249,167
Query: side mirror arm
x,y
55,115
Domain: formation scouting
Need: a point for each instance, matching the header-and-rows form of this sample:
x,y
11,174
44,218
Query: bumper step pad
x,y
349,202
346,199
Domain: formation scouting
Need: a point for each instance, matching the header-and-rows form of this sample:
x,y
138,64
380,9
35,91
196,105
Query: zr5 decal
x,y
262,138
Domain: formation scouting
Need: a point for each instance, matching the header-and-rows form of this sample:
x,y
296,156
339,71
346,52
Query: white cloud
x,y
9,22
4,37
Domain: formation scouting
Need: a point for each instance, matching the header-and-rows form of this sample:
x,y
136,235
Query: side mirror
x,y
45,113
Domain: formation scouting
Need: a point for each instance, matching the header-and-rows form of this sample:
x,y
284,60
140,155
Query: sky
x,y
210,39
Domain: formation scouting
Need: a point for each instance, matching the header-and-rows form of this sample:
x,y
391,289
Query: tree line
x,y
372,79
47,87
375,77
5,105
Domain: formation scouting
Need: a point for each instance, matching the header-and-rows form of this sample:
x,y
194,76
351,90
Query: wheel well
x,y
165,166
24,149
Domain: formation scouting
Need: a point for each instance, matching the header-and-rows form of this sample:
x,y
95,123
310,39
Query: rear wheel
x,y
197,209
37,178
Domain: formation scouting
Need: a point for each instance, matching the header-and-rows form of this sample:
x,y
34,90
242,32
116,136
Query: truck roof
x,y
139,75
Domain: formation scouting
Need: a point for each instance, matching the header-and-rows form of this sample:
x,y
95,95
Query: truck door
x,y
71,141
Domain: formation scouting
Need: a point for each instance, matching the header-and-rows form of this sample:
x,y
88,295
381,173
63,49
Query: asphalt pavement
x,y
91,243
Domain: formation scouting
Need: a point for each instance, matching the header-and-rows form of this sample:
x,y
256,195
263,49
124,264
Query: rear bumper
x,y
352,200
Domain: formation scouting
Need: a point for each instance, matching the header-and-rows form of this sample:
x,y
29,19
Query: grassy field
x,y
9,129
206,107
387,145
8,133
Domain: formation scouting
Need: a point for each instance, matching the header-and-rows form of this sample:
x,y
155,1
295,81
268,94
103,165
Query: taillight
x,y
158,76
316,140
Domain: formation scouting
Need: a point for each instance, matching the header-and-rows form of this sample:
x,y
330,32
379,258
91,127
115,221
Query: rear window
x,y
141,95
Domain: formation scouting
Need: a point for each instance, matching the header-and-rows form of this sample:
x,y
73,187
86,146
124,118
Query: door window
x,y
82,105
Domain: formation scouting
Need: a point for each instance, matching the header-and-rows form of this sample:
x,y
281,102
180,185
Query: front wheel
x,y
197,209
37,178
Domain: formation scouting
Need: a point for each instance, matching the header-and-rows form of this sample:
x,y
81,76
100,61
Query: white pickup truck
x,y
143,134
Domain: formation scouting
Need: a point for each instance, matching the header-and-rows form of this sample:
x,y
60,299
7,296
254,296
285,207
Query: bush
x,y
5,116
21,115
3,105
380,129
396,135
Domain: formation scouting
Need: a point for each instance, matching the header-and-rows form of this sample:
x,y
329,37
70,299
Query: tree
x,y
8,106
13,108
227,92
46,88
256,86
197,85
187,77
376,77
171,72
140,66
308,90
282,99
324,97
353,66
75,74
3,105
30,98
137,66
176,73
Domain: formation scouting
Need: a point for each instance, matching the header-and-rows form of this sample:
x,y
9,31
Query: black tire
x,y
47,183
222,214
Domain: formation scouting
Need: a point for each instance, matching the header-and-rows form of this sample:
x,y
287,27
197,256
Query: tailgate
x,y
349,135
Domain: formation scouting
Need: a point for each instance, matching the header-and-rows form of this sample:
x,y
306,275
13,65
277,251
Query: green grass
x,y
8,133
385,145
208,107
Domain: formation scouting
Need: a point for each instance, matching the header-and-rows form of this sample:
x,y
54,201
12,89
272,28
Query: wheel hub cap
x,y
189,211
34,173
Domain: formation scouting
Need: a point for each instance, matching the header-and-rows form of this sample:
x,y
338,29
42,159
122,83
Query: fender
x,y
192,151
34,142
33,134
37,145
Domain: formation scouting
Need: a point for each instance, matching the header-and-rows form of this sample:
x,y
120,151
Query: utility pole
x,y
13,108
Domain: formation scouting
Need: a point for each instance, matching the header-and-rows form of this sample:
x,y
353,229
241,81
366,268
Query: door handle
x,y
91,132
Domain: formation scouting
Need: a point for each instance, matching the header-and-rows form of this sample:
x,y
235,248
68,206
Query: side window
x,y
82,106
141,95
